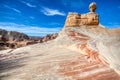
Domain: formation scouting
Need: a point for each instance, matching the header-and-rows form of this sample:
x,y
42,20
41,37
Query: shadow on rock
x,y
8,65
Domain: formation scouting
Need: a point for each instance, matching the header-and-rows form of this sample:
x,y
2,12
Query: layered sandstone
x,y
77,20
78,53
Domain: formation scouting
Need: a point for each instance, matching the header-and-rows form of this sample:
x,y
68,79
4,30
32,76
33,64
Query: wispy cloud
x,y
51,12
31,17
14,9
28,4
113,25
54,23
30,30
11,18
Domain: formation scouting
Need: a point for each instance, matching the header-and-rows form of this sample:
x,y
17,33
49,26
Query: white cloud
x,y
51,12
113,25
11,18
28,4
31,17
16,10
54,23
30,30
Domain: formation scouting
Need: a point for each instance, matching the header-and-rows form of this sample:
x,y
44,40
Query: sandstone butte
x,y
83,50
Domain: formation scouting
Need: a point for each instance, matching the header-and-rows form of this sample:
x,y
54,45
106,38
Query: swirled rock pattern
x,y
83,50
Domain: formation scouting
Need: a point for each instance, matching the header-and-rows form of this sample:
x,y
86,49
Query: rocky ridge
x,y
13,39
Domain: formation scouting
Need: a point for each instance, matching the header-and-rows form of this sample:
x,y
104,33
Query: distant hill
x,y
13,39
13,35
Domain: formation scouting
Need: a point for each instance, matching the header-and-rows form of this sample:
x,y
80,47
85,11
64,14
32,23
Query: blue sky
x,y
41,17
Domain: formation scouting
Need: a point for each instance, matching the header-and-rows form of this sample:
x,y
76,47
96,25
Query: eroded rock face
x,y
12,36
13,39
77,20
49,37
83,46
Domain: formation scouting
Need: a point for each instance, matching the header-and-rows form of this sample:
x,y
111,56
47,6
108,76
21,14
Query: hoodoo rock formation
x,y
77,20
83,50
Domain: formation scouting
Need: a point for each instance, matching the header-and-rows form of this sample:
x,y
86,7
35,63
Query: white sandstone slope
x,y
104,41
65,57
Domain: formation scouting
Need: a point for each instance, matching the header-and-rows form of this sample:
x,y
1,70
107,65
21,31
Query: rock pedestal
x,y
77,20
